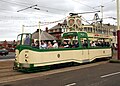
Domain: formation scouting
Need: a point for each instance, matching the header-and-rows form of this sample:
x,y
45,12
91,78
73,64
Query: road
x,y
107,74
11,55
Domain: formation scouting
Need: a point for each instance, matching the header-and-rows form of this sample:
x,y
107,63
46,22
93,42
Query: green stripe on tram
x,y
22,47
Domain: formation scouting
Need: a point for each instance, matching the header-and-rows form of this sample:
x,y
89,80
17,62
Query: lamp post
x,y
118,31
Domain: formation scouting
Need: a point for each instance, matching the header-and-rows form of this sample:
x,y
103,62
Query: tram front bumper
x,y
22,65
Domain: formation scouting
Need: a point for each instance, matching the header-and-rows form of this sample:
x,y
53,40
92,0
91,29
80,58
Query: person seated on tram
x,y
69,44
76,44
43,45
49,45
93,44
103,43
32,44
107,44
65,44
85,44
36,45
55,45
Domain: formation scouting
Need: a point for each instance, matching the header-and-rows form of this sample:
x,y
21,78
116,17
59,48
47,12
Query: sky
x,y
13,14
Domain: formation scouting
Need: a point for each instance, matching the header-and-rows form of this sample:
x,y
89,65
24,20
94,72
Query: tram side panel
x,y
29,57
51,57
99,53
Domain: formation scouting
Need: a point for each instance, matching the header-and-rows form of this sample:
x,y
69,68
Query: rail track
x,y
7,74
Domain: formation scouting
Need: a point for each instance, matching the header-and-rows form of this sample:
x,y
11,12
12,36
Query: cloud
x,y
11,21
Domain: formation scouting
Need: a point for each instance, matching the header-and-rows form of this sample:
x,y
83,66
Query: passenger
x,y
76,44
93,44
49,45
70,45
85,44
43,45
37,44
33,44
55,45
107,44
65,45
96,43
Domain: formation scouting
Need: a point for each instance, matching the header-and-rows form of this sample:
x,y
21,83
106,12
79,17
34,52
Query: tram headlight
x,y
26,55
15,59
26,60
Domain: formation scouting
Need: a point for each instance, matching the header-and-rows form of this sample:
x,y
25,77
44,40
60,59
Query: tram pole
x,y
39,35
118,31
23,28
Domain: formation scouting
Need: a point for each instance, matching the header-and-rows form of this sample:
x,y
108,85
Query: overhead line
x,y
18,3
27,8
86,5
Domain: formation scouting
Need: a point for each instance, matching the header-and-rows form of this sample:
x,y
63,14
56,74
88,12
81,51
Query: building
x,y
106,29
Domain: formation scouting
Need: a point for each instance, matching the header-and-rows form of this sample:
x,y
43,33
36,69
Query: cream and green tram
x,y
29,57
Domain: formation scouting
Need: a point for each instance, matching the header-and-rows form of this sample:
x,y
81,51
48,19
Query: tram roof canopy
x,y
44,36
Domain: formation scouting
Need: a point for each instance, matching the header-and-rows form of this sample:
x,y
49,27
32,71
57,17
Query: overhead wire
x,y
25,5
86,5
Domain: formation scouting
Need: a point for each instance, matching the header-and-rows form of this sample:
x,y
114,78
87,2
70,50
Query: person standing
x,y
27,40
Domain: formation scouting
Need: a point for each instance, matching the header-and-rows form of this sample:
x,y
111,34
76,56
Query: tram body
x,y
28,57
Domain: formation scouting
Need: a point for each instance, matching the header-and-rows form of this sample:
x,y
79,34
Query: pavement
x,y
115,57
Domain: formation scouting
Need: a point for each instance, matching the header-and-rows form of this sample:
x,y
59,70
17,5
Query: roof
x,y
58,26
44,36
55,27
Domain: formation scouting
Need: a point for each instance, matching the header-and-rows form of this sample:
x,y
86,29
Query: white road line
x,y
72,84
110,74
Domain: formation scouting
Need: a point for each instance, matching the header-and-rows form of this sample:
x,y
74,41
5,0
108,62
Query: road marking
x,y
111,74
72,84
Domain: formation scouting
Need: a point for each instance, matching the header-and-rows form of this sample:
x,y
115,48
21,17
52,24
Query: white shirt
x,y
55,45
44,46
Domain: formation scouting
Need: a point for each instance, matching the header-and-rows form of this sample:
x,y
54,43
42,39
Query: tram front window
x,y
23,39
18,39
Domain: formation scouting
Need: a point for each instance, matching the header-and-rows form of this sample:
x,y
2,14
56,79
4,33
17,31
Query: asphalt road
x,y
11,55
107,74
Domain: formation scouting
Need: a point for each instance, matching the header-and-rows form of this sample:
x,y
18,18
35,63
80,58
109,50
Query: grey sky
x,y
11,21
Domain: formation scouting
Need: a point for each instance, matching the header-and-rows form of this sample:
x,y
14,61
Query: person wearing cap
x,y
55,45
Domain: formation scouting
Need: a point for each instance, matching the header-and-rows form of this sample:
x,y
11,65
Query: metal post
x,y
23,28
101,9
39,34
118,31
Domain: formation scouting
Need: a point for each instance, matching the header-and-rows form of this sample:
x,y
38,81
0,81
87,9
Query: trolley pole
x,y
118,31
39,35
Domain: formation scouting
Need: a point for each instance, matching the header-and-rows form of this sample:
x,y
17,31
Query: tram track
x,y
7,74
2,68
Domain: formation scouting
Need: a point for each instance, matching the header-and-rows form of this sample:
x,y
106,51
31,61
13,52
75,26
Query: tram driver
x,y
27,40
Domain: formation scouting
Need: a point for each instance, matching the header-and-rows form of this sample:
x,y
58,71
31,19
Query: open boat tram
x,y
76,47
